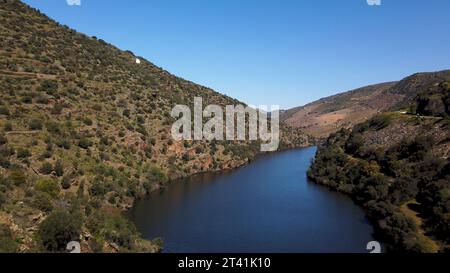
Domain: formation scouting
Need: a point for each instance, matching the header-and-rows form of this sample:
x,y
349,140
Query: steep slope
x,y
411,86
84,131
397,166
328,115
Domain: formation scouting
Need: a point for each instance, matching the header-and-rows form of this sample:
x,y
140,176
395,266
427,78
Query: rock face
x,y
328,115
85,129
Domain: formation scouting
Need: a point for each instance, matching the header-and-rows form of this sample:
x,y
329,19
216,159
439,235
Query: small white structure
x,y
138,61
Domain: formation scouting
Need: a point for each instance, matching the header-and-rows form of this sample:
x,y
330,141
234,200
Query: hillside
x,y
85,131
329,115
397,166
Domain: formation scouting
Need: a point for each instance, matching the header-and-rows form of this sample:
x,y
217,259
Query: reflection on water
x,y
268,206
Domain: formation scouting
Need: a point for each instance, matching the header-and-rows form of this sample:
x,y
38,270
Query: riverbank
x,y
266,206
385,169
231,166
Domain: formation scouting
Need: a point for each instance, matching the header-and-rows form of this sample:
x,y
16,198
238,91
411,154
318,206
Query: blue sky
x,y
283,52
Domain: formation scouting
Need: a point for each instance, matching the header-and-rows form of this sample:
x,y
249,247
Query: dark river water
x,y
267,206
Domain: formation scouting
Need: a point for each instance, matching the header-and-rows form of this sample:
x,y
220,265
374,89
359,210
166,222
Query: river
x,y
267,206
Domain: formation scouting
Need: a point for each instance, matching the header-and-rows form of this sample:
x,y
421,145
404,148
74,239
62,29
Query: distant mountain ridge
x,y
328,115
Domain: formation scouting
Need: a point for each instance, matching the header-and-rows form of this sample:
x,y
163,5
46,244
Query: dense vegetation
x,y
398,168
84,131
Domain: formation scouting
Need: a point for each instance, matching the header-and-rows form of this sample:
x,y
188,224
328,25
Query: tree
x,y
58,229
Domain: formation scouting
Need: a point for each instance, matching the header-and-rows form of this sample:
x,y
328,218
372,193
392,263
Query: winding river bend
x,y
267,206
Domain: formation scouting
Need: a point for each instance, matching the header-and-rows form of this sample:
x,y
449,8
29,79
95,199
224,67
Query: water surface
x,y
267,206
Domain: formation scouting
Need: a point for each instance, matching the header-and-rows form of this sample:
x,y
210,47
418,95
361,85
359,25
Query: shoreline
x,y
179,179
126,210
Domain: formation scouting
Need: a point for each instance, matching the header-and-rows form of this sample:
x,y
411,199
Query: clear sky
x,y
284,52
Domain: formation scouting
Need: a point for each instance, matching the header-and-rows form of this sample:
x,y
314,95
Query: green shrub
x,y
17,177
199,150
8,127
66,182
2,200
42,99
7,242
140,120
4,162
35,124
97,107
49,86
45,154
380,122
158,242
88,121
7,151
46,168
57,109
64,143
43,201
58,229
48,186
98,188
27,100
156,175
53,127
85,143
4,111
119,230
3,140
354,143
23,153
59,168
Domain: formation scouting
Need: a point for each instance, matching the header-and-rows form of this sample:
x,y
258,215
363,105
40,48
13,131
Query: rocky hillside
x,y
397,166
84,131
329,115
